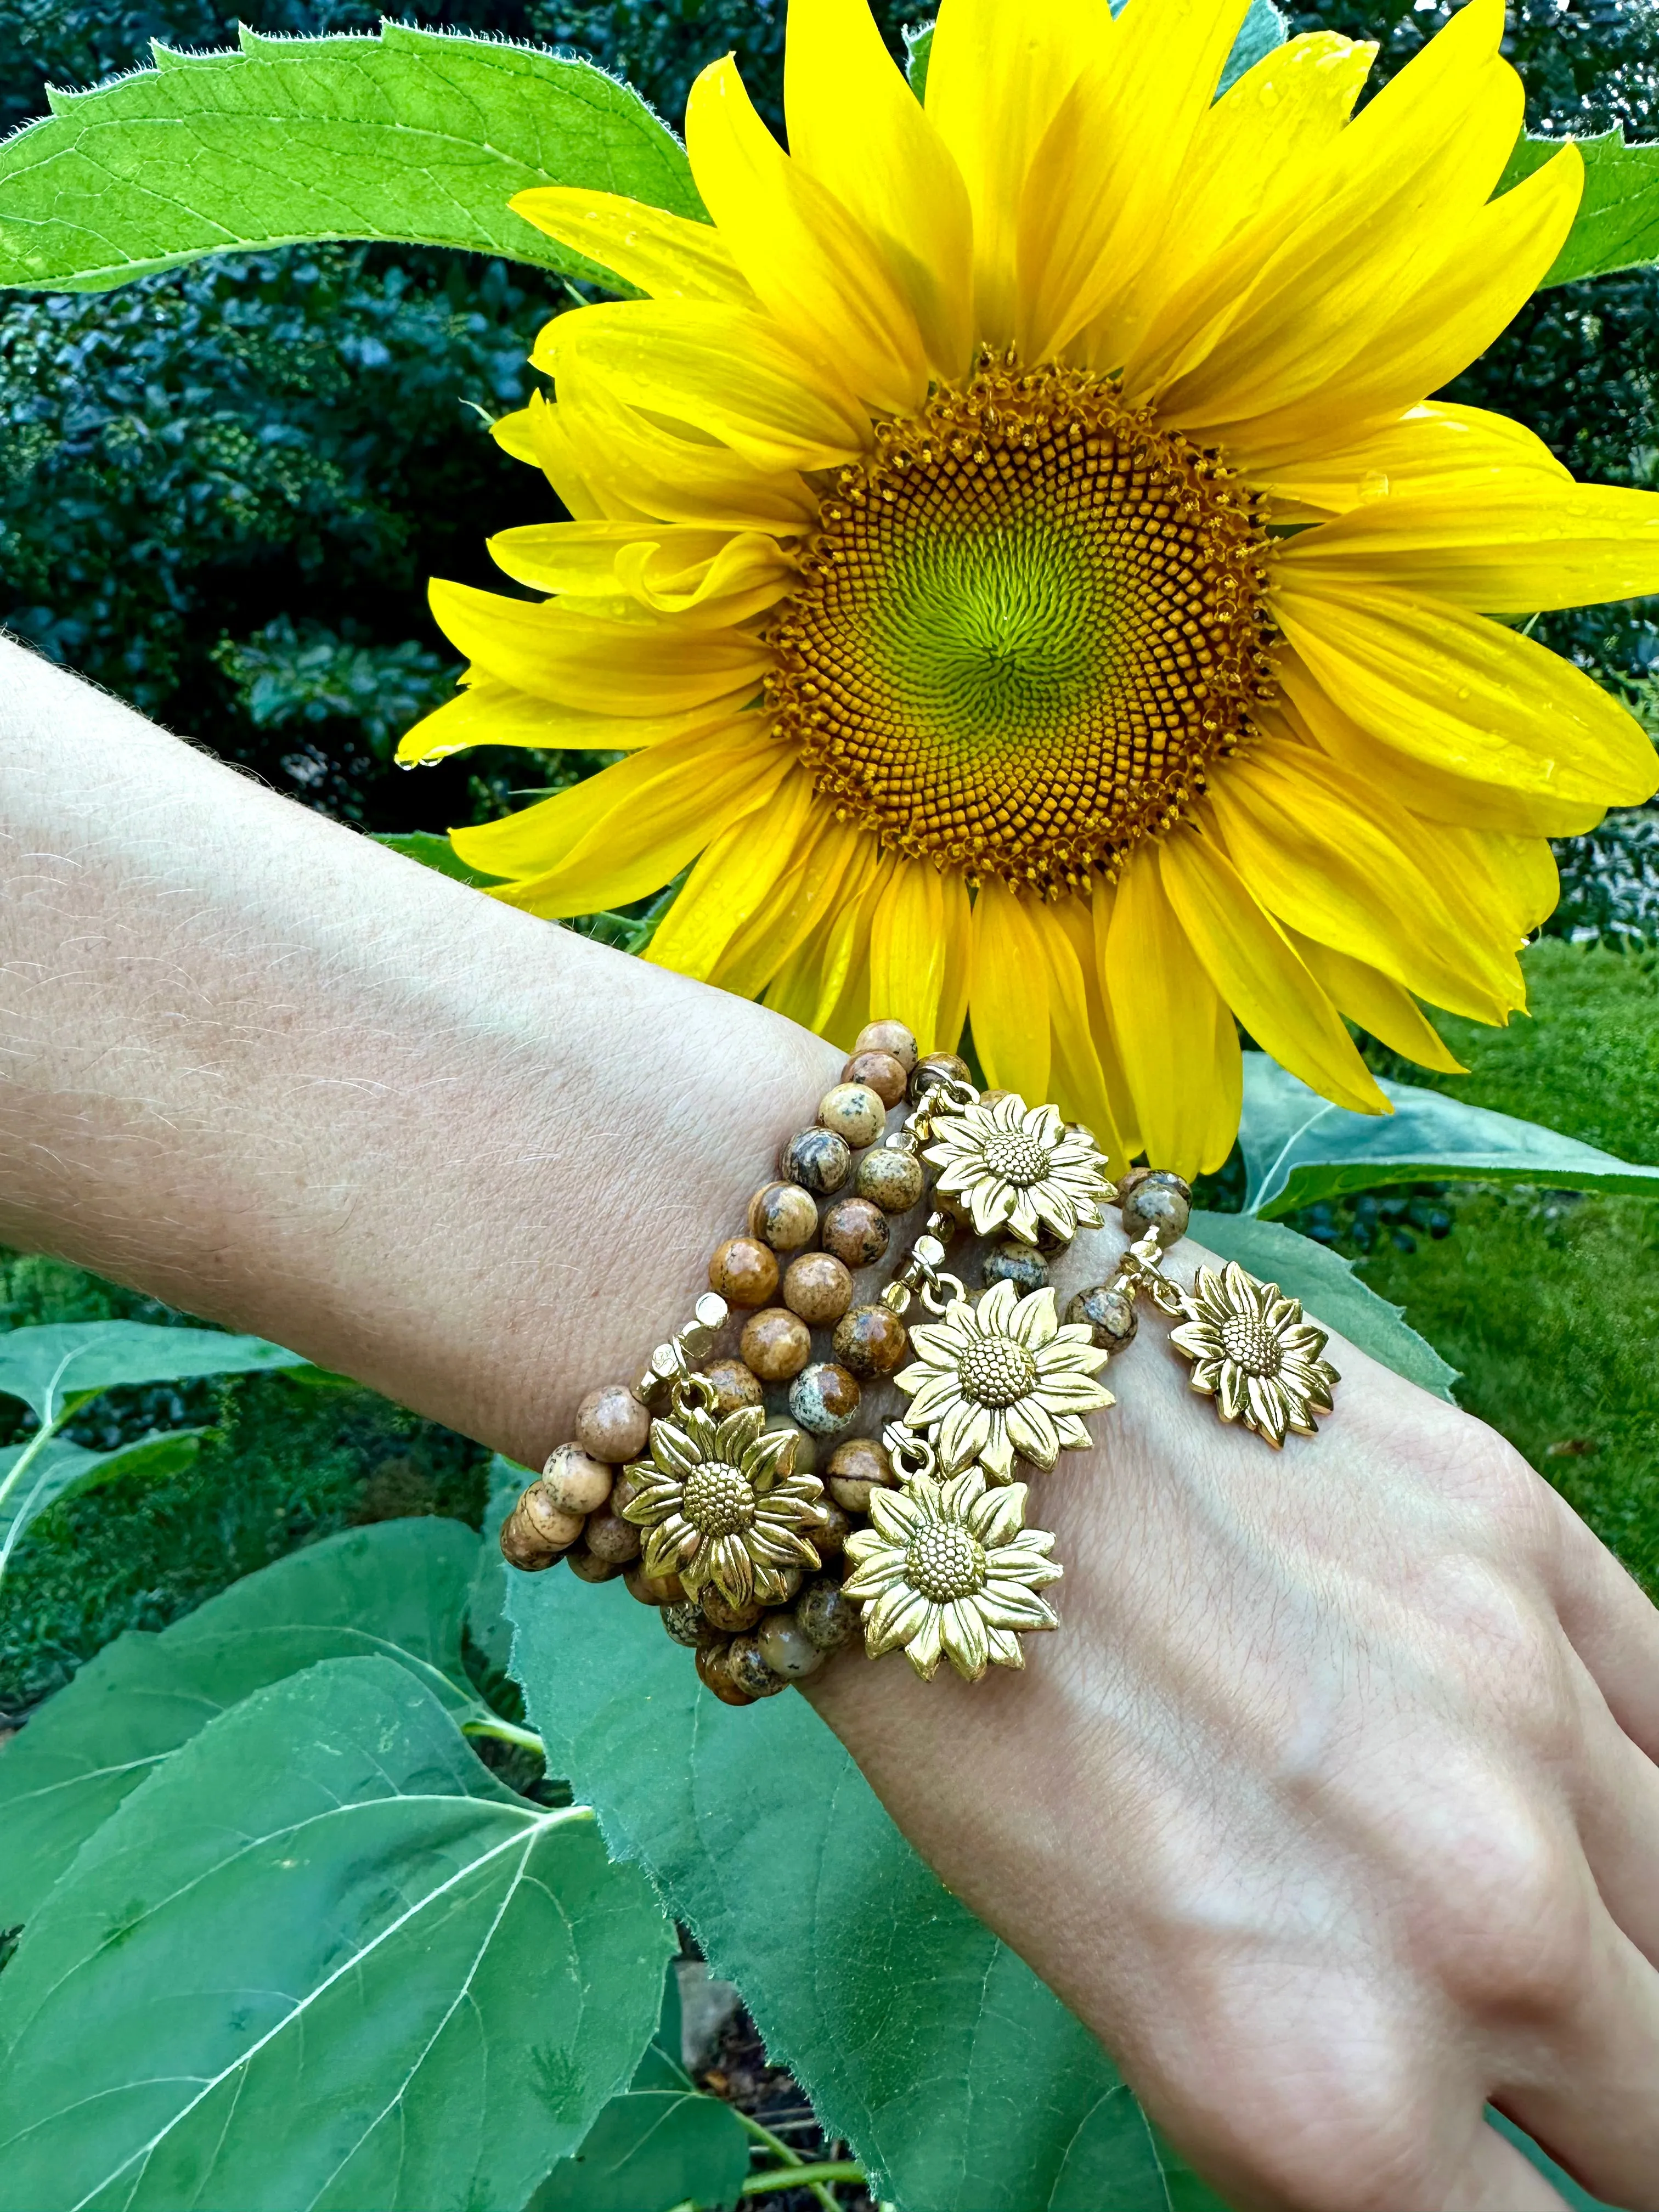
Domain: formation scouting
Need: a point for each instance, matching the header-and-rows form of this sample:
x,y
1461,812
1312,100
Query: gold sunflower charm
x,y
1020,1168
1252,1352
950,1570
724,1505
1003,1377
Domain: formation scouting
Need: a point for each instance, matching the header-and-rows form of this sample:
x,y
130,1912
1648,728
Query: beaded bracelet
x,y
706,1499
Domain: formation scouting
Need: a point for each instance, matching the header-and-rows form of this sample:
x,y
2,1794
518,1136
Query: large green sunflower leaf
x,y
1617,226
651,2150
1297,1147
322,1959
59,1466
397,1591
1327,1285
60,1362
415,136
962,2083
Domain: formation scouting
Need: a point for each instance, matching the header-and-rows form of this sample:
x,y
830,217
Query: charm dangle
x,y
1003,1378
1019,1169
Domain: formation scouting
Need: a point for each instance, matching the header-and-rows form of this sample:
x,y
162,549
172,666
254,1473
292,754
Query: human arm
x,y
1332,1808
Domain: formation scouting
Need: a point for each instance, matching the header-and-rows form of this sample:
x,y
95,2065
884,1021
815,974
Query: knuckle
x,y
1314,2141
1507,1930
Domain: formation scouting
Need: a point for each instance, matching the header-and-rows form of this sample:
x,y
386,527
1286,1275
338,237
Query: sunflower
x,y
1003,1376
1255,1354
722,1504
950,1568
1018,1169
1014,548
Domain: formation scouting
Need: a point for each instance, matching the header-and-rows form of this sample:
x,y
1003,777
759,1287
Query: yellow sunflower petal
x,y
1168,1018
957,990
660,254
668,567
855,125
734,879
829,862
1513,879
907,948
1010,1008
1377,1004
1432,448
1078,1078
1253,965
540,434
491,713
805,257
845,1004
638,468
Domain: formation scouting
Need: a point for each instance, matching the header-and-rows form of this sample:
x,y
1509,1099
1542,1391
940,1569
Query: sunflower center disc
x,y
1018,1160
1250,1345
1030,621
717,1499
994,1371
944,1562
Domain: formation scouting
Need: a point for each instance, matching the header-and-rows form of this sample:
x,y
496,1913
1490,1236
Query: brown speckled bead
x,y
625,1490
611,1425
818,1288
829,1532
856,1467
654,1589
749,1671
817,1159
575,1481
1129,1179
589,1567
1108,1313
776,1343
733,1618
536,1533
1159,1201
827,1617
855,1229
870,1340
990,1097
892,1181
938,1067
738,1386
788,1648
881,1072
825,1399
714,1670
610,1537
782,1215
1011,1261
857,1114
687,1624
790,1578
807,1447
888,1037
745,1272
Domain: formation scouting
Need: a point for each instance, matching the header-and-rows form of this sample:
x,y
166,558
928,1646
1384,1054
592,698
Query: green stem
x,y
31,1451
802,2177
791,2157
505,1732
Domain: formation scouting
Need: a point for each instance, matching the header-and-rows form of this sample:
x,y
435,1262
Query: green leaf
x,y
433,851
321,1958
1327,1285
965,2086
1297,1147
918,52
1617,226
487,1623
58,1466
63,1362
395,1591
1262,29
416,136
648,2152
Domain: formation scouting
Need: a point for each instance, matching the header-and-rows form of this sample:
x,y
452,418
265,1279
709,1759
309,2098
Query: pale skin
x,y
1333,1809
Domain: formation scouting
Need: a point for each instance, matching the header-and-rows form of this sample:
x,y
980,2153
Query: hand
x,y
1332,1806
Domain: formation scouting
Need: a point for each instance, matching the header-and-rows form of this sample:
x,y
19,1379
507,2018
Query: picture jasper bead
x,y
611,1425
536,1532
654,1589
733,1618
749,1671
856,1467
589,1567
776,1343
855,1229
736,1383
818,1288
824,1399
938,1067
625,1489
827,1617
817,1159
857,1114
783,1215
806,1448
829,1532
687,1624
714,1670
745,1272
870,1340
892,1181
575,1481
887,1077
1159,1201
610,1537
788,1648
888,1037
1011,1261
1108,1313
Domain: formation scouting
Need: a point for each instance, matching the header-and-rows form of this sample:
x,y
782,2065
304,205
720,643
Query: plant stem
x,y
802,2177
31,1451
505,1732
792,2159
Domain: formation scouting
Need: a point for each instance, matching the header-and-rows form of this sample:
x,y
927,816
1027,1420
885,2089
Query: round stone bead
x,y
893,1181
887,1077
654,1589
829,1532
888,1037
807,1447
749,1671
688,1623
1011,1261
818,1288
737,1383
733,1618
589,1567
1129,1181
745,1272
855,1229
790,1579
991,1097
788,1648
1108,1313
536,1532
783,1215
611,1425
870,1340
575,1481
856,1467
817,1159
828,1618
824,1399
857,1114
714,1670
776,1343
938,1067
610,1537
1159,1201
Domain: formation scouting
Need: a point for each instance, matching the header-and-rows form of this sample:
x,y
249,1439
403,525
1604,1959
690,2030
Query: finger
x,y
1616,1804
1612,1624
1496,2178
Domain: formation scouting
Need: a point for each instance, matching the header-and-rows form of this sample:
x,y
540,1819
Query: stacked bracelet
x,y
700,1484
